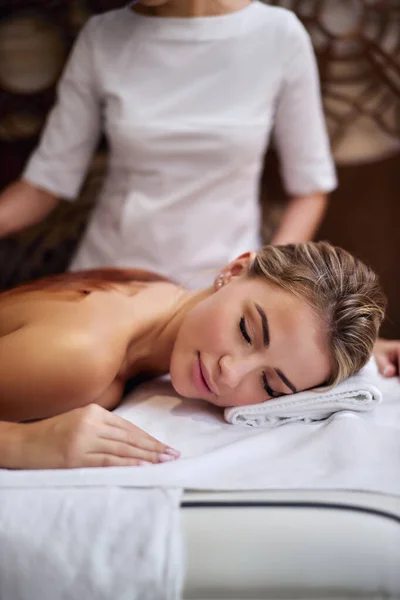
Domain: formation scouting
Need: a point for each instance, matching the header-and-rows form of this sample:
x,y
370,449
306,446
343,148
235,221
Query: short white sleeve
x,y
299,130
72,130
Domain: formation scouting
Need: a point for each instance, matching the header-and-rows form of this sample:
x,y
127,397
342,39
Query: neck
x,y
157,343
193,8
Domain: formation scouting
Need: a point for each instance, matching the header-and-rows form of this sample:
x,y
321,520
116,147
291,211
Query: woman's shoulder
x,y
105,305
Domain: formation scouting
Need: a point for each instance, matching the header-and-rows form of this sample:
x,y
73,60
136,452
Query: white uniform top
x,y
187,105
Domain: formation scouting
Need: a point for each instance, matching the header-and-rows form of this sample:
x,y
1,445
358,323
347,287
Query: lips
x,y
205,377
198,378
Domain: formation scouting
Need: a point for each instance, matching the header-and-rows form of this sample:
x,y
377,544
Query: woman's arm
x,y
59,164
84,437
10,445
47,369
301,219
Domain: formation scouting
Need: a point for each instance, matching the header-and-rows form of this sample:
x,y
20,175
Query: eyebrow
x,y
286,380
264,324
265,328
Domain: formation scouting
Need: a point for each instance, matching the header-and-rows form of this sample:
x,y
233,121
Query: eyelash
x,y
243,330
264,380
267,387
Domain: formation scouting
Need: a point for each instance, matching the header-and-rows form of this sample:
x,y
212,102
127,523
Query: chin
x,y
177,385
226,403
217,402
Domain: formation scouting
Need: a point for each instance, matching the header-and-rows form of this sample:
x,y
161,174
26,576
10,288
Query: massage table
x,y
273,545
303,511
291,544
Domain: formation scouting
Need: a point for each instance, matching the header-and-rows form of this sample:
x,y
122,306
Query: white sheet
x,y
348,451
91,544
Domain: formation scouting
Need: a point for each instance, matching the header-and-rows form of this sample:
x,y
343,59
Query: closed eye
x,y
243,330
272,393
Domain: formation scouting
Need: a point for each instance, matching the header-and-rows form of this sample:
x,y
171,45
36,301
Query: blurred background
x,y
357,43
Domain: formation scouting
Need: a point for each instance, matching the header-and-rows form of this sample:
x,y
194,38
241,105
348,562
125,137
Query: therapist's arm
x,y
301,219
58,166
301,140
23,205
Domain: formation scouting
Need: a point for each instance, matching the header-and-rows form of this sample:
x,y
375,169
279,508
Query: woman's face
x,y
248,342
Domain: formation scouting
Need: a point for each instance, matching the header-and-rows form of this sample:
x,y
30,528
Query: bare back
x,y
64,340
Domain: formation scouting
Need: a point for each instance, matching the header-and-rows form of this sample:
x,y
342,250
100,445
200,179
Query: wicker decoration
x,y
48,247
357,43
32,53
17,125
35,38
98,6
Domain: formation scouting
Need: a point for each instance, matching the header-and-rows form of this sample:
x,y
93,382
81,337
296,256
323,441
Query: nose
x,y
234,369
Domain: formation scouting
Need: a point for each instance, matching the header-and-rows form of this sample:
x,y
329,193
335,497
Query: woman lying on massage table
x,y
278,321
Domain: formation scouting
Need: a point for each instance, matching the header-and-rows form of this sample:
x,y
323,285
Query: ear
x,y
238,266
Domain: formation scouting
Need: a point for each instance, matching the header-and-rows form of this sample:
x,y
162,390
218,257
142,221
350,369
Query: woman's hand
x,y
88,437
387,356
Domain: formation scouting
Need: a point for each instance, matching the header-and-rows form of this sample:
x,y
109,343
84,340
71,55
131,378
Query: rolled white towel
x,y
357,393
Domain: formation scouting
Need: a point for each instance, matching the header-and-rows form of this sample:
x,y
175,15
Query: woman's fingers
x,y
122,430
385,365
89,437
387,354
383,362
104,439
125,450
108,460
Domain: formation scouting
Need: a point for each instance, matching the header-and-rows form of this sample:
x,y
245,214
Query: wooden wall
x,y
364,218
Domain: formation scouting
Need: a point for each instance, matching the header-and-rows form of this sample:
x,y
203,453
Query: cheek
x,y
209,330
183,358
217,338
246,398
250,392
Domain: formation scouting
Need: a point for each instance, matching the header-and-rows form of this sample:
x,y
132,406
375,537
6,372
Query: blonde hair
x,y
344,292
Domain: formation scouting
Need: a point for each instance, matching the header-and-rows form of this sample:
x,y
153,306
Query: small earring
x,y
220,280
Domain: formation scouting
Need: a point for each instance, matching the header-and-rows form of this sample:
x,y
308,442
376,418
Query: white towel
x,y
90,543
356,393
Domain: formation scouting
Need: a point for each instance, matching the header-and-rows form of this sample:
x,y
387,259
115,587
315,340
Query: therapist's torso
x,y
187,107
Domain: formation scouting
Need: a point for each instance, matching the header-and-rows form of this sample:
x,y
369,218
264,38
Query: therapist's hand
x,y
88,437
387,356
23,205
